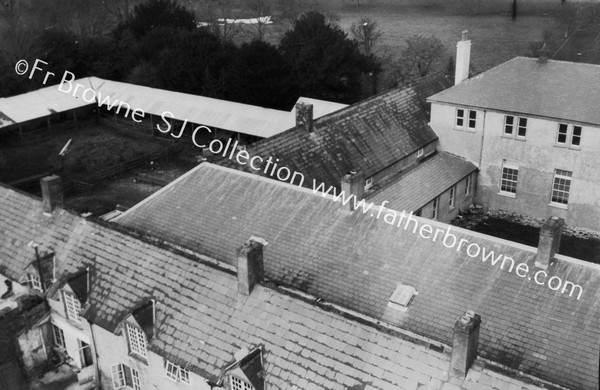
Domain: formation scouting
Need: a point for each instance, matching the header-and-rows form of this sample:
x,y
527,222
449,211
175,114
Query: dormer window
x,y
72,306
246,373
239,384
136,340
33,281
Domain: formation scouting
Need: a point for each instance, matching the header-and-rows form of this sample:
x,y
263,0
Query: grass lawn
x,y
584,249
126,191
94,146
495,38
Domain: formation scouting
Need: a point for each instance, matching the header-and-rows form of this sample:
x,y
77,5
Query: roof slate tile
x,y
569,90
322,249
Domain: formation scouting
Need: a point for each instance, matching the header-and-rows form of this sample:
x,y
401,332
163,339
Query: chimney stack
x,y
353,183
465,343
550,234
52,193
304,116
250,267
543,54
463,58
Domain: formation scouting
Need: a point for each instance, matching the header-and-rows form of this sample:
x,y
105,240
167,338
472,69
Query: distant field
x,y
495,38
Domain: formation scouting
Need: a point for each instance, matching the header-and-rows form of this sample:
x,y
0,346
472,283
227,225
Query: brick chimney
x,y
543,54
463,58
465,343
250,268
52,193
304,117
353,183
550,234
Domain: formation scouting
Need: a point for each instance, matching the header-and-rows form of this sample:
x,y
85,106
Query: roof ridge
x,y
375,207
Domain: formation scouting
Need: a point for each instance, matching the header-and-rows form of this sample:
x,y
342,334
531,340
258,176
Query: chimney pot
x,y
549,243
52,193
463,58
250,267
465,343
304,116
353,183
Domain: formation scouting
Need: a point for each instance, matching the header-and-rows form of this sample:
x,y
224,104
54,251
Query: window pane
x,y
460,115
118,376
508,124
137,341
238,384
522,127
576,139
185,376
472,119
509,180
59,336
135,376
562,134
72,306
561,186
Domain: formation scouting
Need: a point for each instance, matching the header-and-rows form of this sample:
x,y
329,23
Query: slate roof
x,y
355,260
38,104
370,135
223,114
556,89
417,187
202,320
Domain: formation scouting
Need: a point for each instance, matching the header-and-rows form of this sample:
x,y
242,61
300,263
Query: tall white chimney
x,y
463,58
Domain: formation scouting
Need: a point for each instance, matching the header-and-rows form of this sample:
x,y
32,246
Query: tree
x,y
422,55
120,9
324,62
220,15
366,33
259,9
259,75
158,13
197,63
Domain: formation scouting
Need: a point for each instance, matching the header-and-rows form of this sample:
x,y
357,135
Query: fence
x,y
81,187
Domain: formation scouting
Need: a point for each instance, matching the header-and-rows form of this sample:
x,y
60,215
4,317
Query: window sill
x,y
559,205
514,137
139,357
507,194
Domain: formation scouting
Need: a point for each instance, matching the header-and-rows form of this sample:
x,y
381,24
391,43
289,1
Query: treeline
x,y
159,45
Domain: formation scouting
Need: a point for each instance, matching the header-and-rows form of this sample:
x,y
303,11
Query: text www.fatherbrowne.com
x,y
474,250
271,168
